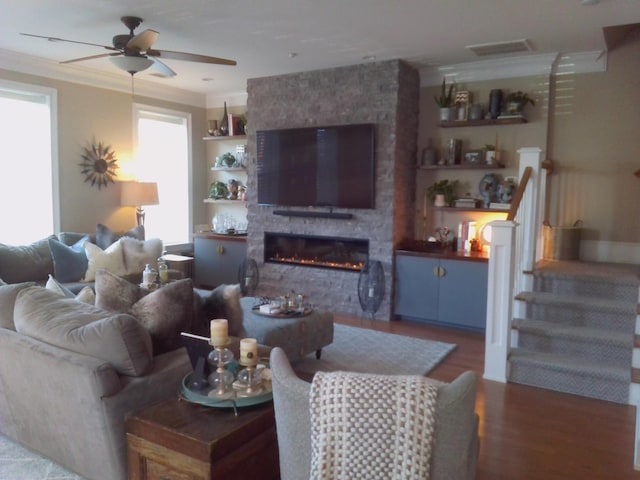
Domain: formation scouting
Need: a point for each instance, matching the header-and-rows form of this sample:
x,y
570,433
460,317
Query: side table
x,y
183,441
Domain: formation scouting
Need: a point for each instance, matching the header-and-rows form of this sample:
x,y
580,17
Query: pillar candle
x,y
249,351
219,332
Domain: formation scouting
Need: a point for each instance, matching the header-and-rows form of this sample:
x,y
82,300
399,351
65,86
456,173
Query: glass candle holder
x,y
220,379
251,379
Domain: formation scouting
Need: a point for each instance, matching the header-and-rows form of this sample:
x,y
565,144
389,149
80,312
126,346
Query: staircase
x,y
577,334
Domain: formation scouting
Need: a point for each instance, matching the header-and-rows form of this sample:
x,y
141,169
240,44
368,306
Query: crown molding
x,y
33,65
513,67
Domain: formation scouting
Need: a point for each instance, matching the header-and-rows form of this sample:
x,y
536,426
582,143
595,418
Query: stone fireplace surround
x,y
383,93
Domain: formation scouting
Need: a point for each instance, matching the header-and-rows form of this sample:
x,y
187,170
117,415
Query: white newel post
x,y
499,300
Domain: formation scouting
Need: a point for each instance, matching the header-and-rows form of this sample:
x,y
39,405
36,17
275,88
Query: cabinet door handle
x,y
220,249
439,272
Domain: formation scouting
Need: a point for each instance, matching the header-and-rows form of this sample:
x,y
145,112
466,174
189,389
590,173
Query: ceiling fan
x,y
133,53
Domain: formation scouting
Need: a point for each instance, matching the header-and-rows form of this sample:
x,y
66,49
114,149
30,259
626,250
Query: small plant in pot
x,y
516,101
445,102
443,193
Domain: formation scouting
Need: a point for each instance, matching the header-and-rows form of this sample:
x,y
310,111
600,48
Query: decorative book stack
x,y
466,202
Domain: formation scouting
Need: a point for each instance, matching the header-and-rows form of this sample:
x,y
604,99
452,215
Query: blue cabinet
x,y
217,259
442,291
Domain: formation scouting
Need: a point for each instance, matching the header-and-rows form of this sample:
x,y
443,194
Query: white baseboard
x,y
610,252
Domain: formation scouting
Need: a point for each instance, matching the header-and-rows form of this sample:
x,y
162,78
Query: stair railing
x,y
514,252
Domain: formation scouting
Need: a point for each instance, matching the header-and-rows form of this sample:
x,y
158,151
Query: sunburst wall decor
x,y
99,164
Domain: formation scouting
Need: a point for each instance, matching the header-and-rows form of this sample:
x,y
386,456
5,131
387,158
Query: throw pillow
x,y
139,253
106,237
110,259
221,302
8,294
118,339
69,238
86,295
26,263
115,294
164,312
2,282
69,262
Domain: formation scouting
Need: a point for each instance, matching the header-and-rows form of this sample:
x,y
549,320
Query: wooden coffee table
x,y
183,441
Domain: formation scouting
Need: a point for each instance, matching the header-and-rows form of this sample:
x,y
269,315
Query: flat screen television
x,y
317,167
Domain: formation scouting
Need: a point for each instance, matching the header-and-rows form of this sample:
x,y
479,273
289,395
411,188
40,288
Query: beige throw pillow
x,y
138,253
111,259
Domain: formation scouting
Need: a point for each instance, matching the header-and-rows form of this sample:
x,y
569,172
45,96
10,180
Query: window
x,y
28,182
164,156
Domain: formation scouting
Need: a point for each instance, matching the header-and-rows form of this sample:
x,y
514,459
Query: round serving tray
x,y
201,397
291,314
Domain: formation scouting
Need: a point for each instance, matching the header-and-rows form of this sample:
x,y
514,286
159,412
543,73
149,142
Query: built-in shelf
x,y
225,137
228,169
462,166
223,200
480,210
480,123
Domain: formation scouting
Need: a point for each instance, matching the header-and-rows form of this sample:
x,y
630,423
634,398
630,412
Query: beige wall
x,y
595,145
85,113
588,125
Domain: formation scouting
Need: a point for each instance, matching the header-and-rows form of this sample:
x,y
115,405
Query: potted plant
x,y
442,193
445,102
516,101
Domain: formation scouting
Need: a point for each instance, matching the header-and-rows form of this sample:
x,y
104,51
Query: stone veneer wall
x,y
385,94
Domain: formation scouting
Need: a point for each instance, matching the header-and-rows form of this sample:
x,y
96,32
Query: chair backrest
x,y
455,451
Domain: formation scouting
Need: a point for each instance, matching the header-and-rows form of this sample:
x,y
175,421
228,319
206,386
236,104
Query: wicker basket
x,y
562,243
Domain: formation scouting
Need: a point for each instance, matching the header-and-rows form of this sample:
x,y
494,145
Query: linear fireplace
x,y
316,251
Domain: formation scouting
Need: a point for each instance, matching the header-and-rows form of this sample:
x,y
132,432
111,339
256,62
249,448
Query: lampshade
x,y
139,193
131,64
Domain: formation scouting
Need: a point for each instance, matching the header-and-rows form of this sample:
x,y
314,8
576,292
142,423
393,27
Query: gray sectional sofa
x,y
70,372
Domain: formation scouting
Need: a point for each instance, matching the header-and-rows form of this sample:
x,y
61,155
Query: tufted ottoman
x,y
297,336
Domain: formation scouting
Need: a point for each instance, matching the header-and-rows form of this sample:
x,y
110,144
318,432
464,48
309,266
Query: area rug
x,y
369,351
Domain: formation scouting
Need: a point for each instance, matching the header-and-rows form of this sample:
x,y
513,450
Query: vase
x,y
495,103
447,114
224,123
439,201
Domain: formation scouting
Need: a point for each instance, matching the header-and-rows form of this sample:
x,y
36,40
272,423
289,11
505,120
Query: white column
x,y
499,300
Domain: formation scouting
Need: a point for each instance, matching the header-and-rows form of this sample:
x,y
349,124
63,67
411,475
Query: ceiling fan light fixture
x,y
131,64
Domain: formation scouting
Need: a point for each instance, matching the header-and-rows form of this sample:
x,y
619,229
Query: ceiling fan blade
x,y
102,55
161,69
143,41
56,39
189,57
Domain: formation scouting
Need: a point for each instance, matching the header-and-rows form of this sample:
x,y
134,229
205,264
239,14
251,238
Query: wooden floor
x,y
528,433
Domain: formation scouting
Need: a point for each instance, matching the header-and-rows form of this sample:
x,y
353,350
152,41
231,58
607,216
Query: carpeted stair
x,y
578,333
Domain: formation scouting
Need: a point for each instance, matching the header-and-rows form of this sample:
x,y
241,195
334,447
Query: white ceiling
x,y
262,35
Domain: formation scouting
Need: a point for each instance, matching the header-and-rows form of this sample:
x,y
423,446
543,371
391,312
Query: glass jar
x,y
163,271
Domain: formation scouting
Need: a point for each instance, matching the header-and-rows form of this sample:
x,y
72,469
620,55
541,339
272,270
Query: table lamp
x,y
137,194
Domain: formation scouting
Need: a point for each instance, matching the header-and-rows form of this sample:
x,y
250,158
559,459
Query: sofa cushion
x,y
115,338
221,302
164,312
139,253
8,294
26,263
110,259
85,295
69,262
106,237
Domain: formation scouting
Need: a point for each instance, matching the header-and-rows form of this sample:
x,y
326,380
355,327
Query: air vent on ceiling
x,y
500,48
